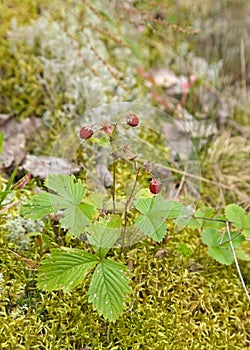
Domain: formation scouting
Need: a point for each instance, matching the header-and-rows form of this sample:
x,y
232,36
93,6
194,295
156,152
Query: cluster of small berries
x,y
87,131
132,120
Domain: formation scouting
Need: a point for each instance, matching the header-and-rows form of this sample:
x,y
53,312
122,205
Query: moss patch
x,y
177,303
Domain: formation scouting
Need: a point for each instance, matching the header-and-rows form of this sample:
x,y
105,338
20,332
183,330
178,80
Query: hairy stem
x,y
111,139
128,201
114,184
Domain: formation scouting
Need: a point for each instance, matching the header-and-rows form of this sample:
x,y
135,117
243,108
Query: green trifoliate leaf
x,y
222,255
109,288
67,197
155,211
64,269
211,237
216,222
105,233
236,240
74,220
236,215
246,230
149,224
38,206
246,233
95,199
191,222
159,234
219,246
68,190
166,208
247,221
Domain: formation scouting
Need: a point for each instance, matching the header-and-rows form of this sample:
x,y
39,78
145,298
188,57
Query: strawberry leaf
x,y
246,231
67,196
235,214
109,288
236,240
155,211
222,255
210,237
247,221
105,233
159,234
38,206
69,191
192,222
64,269
216,223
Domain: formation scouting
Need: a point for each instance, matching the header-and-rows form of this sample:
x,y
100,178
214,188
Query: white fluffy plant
x,y
76,60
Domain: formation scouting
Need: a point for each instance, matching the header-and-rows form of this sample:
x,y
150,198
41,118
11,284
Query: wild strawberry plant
x,y
144,213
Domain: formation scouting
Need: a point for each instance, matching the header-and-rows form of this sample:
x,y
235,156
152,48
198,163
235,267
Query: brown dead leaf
x,y
161,253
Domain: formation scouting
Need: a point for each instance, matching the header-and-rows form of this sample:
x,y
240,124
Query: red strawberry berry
x,y
133,120
86,132
155,186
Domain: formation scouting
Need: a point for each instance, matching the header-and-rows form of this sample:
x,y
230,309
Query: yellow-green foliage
x,y
177,303
19,70
23,11
21,93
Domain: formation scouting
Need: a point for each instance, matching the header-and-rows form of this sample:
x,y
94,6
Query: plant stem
x,y
221,241
111,138
114,184
128,201
209,219
236,261
204,218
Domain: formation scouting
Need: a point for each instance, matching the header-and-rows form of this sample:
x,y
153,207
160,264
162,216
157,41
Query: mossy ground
x,y
178,301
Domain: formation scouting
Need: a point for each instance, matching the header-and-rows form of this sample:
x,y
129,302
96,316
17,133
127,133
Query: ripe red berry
x,y
86,132
155,186
133,120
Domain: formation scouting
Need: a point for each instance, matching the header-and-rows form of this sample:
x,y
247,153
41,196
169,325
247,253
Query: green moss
x,y
21,93
22,11
20,89
177,303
